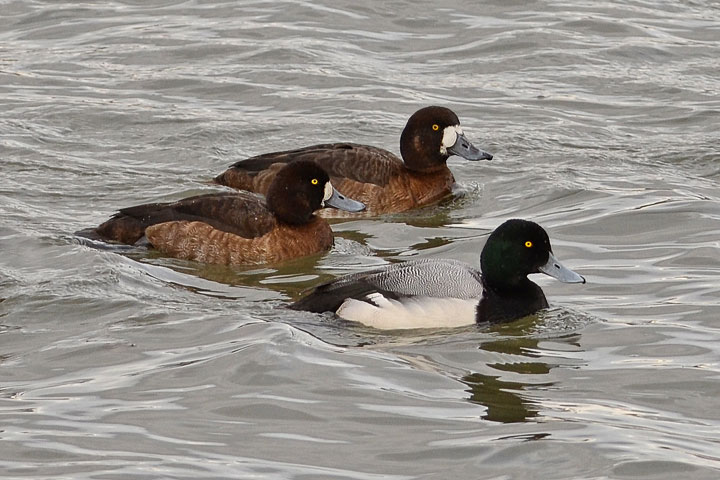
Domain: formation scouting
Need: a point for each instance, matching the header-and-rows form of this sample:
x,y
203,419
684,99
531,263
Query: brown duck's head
x,y
300,188
431,136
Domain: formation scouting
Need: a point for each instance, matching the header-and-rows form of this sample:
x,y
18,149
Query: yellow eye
x,y
436,127
314,181
528,244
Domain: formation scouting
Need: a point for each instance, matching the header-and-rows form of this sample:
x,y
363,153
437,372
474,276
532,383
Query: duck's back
x,y
360,163
240,213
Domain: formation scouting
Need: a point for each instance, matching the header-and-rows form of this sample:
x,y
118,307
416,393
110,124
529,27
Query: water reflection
x,y
500,398
509,401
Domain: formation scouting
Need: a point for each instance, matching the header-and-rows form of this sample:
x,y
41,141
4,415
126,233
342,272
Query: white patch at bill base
x,y
328,192
450,136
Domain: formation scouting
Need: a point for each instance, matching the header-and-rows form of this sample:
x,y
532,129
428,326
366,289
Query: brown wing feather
x,y
360,163
240,213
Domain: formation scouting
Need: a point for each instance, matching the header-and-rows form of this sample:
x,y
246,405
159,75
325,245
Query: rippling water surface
x,y
604,120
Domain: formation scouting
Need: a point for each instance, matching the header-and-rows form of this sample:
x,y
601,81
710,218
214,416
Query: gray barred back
x,y
425,277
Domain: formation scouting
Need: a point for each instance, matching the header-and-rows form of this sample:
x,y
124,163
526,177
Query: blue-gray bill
x,y
557,270
463,148
341,202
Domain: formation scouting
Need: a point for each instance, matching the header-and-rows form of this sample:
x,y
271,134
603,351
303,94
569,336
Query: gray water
x,y
604,120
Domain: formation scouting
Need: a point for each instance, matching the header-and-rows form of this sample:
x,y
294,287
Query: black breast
x,y
498,306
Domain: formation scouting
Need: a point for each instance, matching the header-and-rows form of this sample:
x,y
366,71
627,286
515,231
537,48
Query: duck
x,y
445,293
372,175
236,227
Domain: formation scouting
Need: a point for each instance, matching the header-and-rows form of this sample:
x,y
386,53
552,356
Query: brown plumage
x,y
240,213
403,191
203,243
378,178
236,227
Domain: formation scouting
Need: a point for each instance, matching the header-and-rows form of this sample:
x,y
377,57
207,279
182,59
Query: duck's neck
x,y
420,163
506,303
291,213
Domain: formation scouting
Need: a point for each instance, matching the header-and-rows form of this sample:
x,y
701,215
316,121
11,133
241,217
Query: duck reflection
x,y
503,403
506,400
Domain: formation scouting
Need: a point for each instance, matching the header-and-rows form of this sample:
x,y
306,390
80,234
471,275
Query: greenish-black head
x,y
516,249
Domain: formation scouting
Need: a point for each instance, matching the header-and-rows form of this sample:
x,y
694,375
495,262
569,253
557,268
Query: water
x,y
603,118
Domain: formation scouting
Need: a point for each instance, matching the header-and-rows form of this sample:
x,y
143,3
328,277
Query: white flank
x,y
414,312
450,135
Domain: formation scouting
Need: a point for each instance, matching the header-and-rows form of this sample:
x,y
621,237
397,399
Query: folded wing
x,y
361,163
240,213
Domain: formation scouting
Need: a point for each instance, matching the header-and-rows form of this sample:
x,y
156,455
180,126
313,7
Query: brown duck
x,y
374,176
237,227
